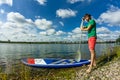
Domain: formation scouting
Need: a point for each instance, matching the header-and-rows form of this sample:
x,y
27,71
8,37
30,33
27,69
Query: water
x,y
11,53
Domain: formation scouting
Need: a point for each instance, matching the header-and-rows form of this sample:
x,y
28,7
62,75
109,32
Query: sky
x,y
57,20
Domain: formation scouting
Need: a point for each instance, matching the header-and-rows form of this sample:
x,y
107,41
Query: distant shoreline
x,y
53,42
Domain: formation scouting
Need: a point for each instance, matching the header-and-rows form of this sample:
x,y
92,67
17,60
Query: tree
x,y
9,41
118,39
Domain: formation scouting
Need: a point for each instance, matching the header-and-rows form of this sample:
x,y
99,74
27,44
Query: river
x,y
11,53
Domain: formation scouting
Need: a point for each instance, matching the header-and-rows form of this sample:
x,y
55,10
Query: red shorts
x,y
91,43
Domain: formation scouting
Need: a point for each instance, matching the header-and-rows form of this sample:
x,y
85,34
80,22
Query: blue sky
x,y
51,20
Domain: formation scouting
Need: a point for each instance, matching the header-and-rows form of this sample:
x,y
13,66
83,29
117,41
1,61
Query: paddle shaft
x,y
81,25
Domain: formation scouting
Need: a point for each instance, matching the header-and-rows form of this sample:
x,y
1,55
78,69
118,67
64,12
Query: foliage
x,y
118,39
117,51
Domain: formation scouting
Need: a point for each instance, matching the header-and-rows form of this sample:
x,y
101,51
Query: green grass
x,y
109,55
28,73
22,72
117,50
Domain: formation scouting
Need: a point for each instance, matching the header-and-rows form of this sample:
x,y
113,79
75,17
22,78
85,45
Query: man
x,y
91,28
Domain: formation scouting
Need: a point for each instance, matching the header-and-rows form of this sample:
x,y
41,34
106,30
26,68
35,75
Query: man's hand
x,y
82,28
81,25
83,18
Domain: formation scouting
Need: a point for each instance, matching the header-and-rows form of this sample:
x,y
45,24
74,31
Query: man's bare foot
x,y
88,70
93,65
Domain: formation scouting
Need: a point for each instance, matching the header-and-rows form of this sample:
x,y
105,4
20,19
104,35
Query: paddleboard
x,y
53,62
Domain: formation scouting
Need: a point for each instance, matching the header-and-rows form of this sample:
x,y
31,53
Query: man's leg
x,y
91,44
93,61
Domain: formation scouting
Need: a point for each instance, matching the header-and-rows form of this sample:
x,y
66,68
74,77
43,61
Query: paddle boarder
x,y
91,28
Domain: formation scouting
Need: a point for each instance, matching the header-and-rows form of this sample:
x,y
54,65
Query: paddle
x,y
78,53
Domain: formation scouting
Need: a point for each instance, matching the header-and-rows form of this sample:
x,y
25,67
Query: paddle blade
x,y
78,56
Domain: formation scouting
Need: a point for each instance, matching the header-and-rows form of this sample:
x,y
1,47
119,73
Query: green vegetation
x,y
53,42
117,51
109,55
118,40
22,72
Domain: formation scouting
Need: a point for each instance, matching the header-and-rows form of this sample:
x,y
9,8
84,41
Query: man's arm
x,y
86,29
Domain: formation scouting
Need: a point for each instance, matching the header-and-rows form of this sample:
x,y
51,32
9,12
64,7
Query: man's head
x,y
87,17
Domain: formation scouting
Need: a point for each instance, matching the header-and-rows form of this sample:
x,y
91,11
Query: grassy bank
x,y
109,55
22,72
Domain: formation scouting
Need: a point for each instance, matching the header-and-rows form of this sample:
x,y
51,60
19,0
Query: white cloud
x,y
0,24
74,1
2,11
76,30
110,17
42,2
104,33
43,24
77,35
103,30
117,32
12,31
9,2
65,13
50,31
17,27
60,33
44,33
61,23
18,20
108,37
16,17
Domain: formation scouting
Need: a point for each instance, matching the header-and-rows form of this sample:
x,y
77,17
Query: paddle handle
x,y
81,25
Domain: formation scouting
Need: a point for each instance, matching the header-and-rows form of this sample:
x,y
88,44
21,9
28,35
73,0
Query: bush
x,y
118,51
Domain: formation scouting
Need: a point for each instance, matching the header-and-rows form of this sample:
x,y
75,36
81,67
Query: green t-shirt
x,y
92,31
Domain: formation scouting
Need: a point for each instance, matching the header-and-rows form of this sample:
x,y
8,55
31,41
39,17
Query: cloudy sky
x,y
50,20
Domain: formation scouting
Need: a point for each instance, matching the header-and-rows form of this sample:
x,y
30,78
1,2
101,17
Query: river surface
x,y
11,53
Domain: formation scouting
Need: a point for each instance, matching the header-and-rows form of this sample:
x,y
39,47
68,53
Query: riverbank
x,y
54,42
107,69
